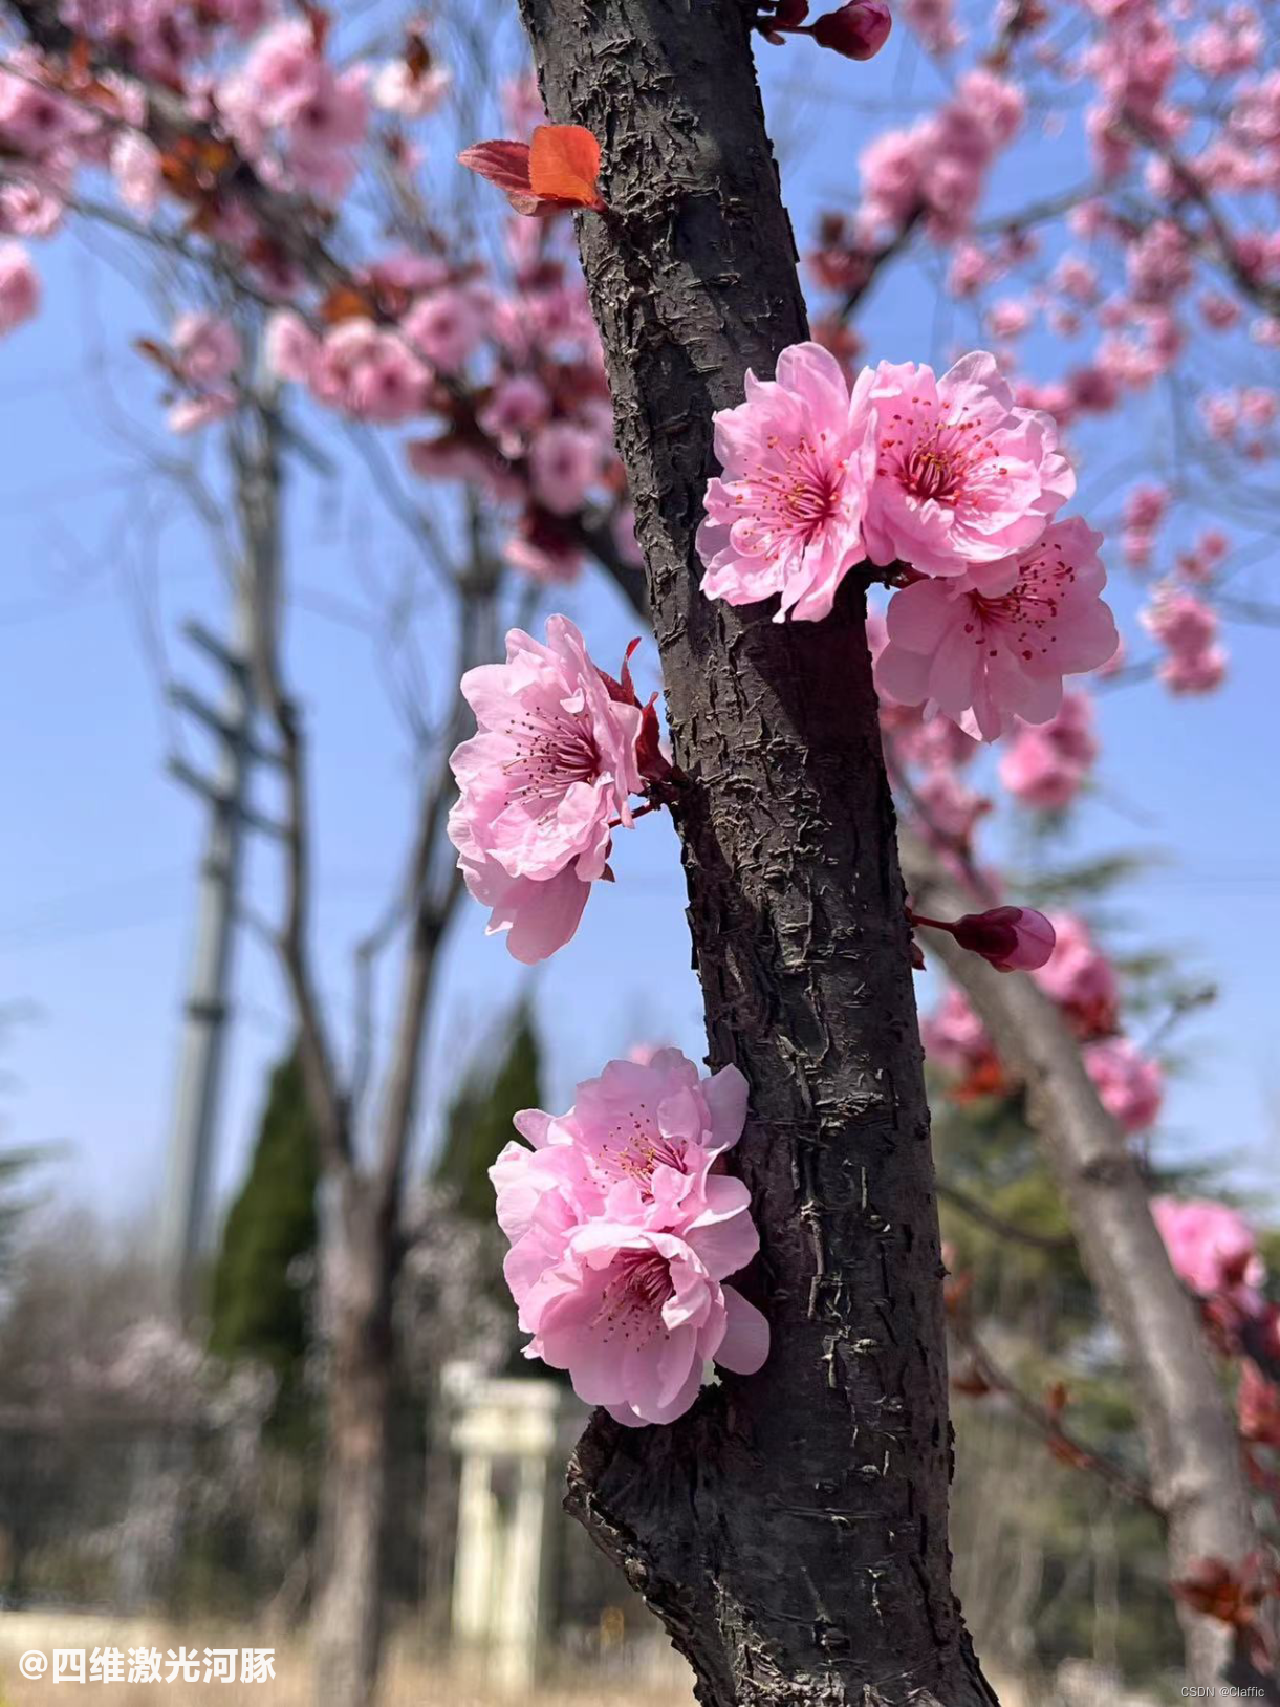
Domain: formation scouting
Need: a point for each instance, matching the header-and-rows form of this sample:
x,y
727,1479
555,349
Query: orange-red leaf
x,y
345,302
505,164
564,165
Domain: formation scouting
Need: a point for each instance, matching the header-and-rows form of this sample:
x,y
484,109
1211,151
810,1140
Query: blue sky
x,y
98,847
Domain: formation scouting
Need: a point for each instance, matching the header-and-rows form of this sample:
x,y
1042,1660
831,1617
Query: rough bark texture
x,y
792,1530
1196,1471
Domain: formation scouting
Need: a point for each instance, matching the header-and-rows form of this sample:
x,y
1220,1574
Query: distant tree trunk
x,y
791,1531
358,1280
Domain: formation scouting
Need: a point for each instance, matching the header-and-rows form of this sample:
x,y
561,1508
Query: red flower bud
x,y
858,30
1013,939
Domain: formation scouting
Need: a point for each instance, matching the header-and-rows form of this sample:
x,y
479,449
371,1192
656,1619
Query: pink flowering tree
x,y
773,1223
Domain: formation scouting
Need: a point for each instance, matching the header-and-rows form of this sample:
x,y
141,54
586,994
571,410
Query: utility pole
x,y
185,1216
199,1081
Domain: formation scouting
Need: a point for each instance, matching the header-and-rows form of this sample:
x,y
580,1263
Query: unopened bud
x,y
858,30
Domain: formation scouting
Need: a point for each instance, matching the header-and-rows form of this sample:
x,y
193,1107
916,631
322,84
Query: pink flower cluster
x,y
990,649
206,351
944,474
1213,1249
938,168
293,114
1045,765
356,367
1129,1084
1187,629
544,783
623,1229
1080,978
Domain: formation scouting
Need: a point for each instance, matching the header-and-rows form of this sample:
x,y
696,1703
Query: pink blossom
x,y
1045,766
135,165
1212,1249
564,463
206,347
644,1136
1219,311
622,1229
1227,45
290,347
1195,672
1145,506
998,643
954,1038
948,806
1188,629
446,326
1077,278
1093,389
1037,774
1079,977
190,414
635,1315
19,287
1008,318
516,406
892,177
35,121
541,786
962,476
30,209
971,268
785,514
1129,1085
998,106
283,70
321,141
934,22
367,372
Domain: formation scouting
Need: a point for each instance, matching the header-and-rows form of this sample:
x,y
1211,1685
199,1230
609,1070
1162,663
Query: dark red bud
x,y
858,30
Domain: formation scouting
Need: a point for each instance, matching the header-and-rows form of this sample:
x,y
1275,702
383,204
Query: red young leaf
x,y
558,170
505,164
564,164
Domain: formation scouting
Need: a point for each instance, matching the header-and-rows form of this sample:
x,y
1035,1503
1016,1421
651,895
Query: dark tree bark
x,y
791,1531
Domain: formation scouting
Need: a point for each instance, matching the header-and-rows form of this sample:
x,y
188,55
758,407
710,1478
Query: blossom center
x,y
931,473
801,496
549,758
633,1152
1029,611
933,460
639,1285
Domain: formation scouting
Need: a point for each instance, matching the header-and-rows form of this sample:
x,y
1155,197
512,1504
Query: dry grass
x,y
410,1681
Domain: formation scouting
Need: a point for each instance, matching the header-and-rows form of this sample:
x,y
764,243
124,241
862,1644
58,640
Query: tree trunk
x,y
1193,1448
347,1619
791,1531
